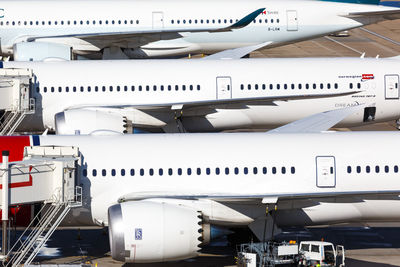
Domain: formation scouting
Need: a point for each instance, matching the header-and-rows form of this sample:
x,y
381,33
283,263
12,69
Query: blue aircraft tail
x,y
390,3
365,2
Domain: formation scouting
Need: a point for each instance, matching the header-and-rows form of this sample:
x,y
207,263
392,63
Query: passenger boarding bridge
x,y
15,98
46,175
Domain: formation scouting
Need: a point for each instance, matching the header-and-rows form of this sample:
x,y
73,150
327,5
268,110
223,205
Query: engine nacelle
x,y
86,121
38,51
145,231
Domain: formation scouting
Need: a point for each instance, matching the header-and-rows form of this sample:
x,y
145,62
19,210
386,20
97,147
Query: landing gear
x,y
398,124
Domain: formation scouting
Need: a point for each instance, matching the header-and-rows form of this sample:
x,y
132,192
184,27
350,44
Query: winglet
x,y
248,19
243,22
318,122
236,53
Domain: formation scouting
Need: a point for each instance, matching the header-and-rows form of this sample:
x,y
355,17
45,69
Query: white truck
x,y
322,253
307,253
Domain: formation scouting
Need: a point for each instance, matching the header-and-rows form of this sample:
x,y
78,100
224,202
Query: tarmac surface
x,y
365,246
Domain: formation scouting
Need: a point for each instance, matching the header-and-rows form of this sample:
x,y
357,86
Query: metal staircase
x,y
41,228
15,98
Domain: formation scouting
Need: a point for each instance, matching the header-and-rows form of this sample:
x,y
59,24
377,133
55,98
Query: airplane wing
x,y
237,53
198,104
318,122
151,33
256,199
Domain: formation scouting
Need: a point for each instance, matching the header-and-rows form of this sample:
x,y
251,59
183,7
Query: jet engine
x,y
86,121
37,51
146,231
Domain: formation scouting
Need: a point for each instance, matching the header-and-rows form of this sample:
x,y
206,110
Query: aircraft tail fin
x,y
365,2
390,3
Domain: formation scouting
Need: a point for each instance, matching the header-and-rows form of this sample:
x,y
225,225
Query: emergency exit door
x,y
224,88
392,86
292,23
326,171
158,20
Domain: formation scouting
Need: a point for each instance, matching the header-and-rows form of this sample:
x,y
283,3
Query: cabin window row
x,y
194,171
219,21
370,169
118,88
69,22
295,86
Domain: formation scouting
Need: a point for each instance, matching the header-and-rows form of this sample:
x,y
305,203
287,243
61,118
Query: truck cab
x,y
323,253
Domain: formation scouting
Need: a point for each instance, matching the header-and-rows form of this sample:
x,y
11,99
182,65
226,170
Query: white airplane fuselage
x,y
214,95
283,22
240,166
158,185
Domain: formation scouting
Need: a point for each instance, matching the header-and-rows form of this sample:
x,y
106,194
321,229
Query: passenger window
x,y
59,89
358,169
255,170
396,169
377,169
160,172
263,86
329,86
386,169
111,88
151,172
94,172
226,170
162,87
292,86
300,86
236,170
321,86
256,86
351,86
274,170
271,87
264,170
52,89
285,86
314,86
184,87
179,171
147,88
141,172
249,86
242,87
283,170
118,88
198,87
104,88
367,169
359,85
191,87
293,170
88,88
217,171
278,86
336,86
154,88
176,87
198,171
170,171
132,88
245,170
96,88
122,172
348,169
208,171
103,172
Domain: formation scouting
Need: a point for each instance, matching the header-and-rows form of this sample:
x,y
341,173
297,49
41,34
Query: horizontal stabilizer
x,y
318,122
237,52
386,14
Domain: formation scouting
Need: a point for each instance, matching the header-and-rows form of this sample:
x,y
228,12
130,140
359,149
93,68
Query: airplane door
x,y
224,88
326,171
292,23
392,86
158,20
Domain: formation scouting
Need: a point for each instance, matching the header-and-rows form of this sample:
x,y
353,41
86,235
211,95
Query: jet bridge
x,y
16,99
46,175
